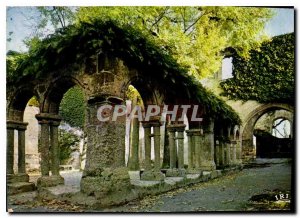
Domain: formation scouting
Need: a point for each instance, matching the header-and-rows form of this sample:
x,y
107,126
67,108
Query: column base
x,y
49,181
208,166
151,175
20,177
176,173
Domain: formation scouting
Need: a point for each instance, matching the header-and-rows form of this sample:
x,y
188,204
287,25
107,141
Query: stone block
x,y
20,187
194,171
134,175
176,173
173,180
49,181
152,176
13,178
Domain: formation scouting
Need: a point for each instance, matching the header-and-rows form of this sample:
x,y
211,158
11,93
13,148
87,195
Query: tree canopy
x,y
268,76
195,36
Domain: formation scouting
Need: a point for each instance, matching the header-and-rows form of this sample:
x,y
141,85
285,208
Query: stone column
x,y
147,138
156,128
197,139
49,136
194,151
233,144
105,174
133,163
171,133
44,146
221,152
180,138
55,152
217,153
190,149
227,144
207,149
10,149
21,175
21,149
152,174
238,152
174,155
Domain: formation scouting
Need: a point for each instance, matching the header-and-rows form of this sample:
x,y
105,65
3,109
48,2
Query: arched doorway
x,y
247,130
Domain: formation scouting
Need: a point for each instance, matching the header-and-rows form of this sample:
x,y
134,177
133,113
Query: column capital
x,y
191,132
18,125
45,118
146,124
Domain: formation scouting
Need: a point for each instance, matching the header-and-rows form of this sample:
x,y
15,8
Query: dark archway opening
x,y
274,138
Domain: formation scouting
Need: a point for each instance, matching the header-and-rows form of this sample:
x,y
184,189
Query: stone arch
x,y
246,136
18,101
149,91
55,92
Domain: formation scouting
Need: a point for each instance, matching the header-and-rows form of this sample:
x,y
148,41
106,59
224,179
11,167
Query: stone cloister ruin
x,y
104,76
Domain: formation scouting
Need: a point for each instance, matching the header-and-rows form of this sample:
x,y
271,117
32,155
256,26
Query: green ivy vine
x,y
268,76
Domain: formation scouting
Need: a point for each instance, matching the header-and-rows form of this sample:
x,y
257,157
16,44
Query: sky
x,y
20,26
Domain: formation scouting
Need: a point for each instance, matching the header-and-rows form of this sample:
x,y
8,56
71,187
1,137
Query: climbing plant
x,y
68,143
74,45
72,107
268,76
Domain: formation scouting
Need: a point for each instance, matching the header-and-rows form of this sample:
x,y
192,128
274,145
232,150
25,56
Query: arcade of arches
x,y
213,143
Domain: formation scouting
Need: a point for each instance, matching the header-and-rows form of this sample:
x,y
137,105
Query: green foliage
x,y
68,143
13,61
58,16
194,36
133,95
75,44
33,102
72,107
268,76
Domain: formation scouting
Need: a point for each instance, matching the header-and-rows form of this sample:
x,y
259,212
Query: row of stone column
x,y
228,151
20,175
49,158
49,149
152,173
203,155
176,146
